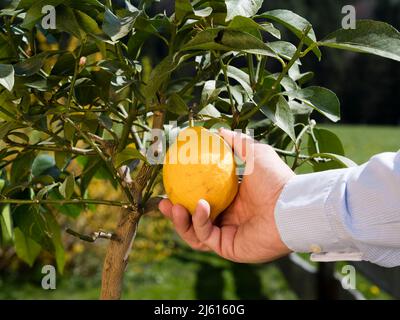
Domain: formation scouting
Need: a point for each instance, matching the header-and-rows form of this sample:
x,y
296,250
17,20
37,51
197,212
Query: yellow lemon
x,y
200,165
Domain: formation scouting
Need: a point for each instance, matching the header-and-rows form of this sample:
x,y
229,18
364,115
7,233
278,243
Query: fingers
x,y
220,240
242,144
184,227
183,223
199,231
165,207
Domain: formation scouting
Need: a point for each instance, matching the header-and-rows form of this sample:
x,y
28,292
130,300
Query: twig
x,y
66,202
74,77
92,237
278,81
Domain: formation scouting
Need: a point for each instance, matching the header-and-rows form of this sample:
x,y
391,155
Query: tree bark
x,y
120,245
117,255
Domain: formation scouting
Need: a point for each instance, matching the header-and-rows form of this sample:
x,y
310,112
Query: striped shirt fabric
x,y
348,214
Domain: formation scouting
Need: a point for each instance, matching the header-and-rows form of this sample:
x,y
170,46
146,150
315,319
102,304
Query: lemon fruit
x,y
200,165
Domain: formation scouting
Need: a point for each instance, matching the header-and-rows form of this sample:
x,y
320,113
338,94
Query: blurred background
x,y
161,266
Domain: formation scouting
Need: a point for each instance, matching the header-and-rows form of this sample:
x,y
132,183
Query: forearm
x,y
350,214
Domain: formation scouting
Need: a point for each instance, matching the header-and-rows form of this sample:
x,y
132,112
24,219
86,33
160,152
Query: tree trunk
x,y
120,246
117,255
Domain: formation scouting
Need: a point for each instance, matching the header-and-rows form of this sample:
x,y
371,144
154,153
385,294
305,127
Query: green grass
x,y
363,142
192,275
186,275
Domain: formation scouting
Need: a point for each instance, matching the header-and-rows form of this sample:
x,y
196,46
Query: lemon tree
x,y
79,101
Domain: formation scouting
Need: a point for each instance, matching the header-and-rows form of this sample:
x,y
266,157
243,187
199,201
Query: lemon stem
x,y
191,119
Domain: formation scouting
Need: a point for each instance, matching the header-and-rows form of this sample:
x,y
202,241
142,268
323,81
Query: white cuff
x,y
304,221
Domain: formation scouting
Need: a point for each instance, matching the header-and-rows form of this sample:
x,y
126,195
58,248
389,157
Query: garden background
x,y
161,266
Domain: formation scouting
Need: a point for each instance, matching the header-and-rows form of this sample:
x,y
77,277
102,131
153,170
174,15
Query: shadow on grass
x,y
247,282
210,282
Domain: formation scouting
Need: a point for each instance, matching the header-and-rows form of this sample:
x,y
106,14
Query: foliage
x,y
78,102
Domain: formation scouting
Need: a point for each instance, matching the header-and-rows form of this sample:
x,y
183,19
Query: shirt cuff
x,y
304,221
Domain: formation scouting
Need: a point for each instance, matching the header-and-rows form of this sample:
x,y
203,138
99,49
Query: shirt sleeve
x,y
348,214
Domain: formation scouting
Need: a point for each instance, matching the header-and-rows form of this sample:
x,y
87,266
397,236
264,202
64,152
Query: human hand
x,y
246,232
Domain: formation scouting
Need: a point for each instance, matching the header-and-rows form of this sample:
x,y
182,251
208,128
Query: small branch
x,y
225,72
92,237
291,154
74,77
66,202
106,160
148,191
138,141
128,127
200,75
73,150
278,81
151,205
252,74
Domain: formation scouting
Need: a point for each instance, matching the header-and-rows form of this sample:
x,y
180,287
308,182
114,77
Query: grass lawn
x,y
190,275
362,142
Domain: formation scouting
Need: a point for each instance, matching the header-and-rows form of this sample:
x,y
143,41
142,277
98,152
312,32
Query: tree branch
x,y
66,202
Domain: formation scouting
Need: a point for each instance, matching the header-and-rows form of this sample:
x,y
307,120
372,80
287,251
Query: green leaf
x,y
229,40
26,248
127,155
116,27
40,225
210,92
321,99
242,77
340,161
182,9
32,65
67,187
34,13
245,8
281,114
21,167
177,105
247,25
372,37
7,76
67,22
62,159
324,144
77,23
159,75
8,109
88,6
45,190
42,164
88,24
7,220
203,13
6,127
69,131
327,141
270,28
284,49
70,210
90,166
6,51
295,24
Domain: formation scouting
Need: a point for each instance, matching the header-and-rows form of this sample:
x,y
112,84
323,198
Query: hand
x,y
246,232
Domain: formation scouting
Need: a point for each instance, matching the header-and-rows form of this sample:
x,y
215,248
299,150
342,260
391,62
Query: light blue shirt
x,y
349,214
